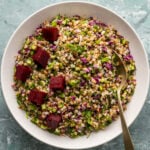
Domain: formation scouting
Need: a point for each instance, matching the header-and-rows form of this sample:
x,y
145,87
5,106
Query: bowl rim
x,y
69,2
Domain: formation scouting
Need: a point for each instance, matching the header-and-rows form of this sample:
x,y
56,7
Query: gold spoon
x,y
121,68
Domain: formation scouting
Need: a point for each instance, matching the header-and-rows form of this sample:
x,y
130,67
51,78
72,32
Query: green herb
x,y
103,80
73,83
29,61
65,21
108,120
52,109
35,120
54,23
86,76
61,66
27,41
43,83
30,85
43,127
84,33
19,101
33,46
43,106
67,33
87,114
27,115
123,41
101,88
77,69
31,52
96,28
51,65
39,37
57,131
105,59
98,41
115,60
76,49
61,105
32,107
62,95
131,67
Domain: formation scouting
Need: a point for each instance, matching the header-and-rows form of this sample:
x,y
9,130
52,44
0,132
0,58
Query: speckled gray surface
x,y
13,12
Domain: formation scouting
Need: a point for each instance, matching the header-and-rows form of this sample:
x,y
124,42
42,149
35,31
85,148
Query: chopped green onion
x,y
39,37
67,33
29,61
32,107
105,59
43,106
54,23
33,46
98,41
73,83
43,127
62,95
76,48
123,41
66,21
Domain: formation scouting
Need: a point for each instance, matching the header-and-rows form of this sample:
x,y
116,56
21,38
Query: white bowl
x,y
84,9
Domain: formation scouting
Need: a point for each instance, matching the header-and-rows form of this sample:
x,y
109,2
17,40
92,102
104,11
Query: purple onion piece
x,y
82,83
59,22
97,96
27,50
92,22
121,37
110,43
84,60
73,97
19,51
103,24
88,70
30,37
98,35
95,66
53,47
104,49
97,22
108,66
96,79
128,57
90,47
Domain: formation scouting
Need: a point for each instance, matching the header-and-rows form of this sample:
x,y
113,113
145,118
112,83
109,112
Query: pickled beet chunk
x,y
53,121
41,57
37,97
57,83
22,72
50,34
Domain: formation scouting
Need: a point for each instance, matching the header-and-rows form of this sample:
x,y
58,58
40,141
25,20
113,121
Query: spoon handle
x,y
126,135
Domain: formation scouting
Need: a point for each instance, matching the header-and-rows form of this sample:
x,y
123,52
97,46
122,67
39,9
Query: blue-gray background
x,y
13,12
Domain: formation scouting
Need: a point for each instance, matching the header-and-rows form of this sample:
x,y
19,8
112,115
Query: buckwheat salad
x,y
66,78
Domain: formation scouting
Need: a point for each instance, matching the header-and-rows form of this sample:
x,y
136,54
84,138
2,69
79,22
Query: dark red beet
x,y
53,121
57,83
41,57
50,34
22,72
37,97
